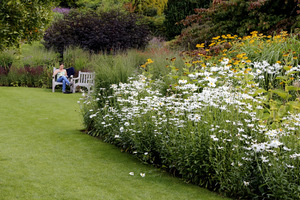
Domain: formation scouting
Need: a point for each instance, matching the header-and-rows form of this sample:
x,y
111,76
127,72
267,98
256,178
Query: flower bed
x,y
217,125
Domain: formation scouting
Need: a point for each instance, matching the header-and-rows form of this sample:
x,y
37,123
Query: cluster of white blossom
x,y
137,99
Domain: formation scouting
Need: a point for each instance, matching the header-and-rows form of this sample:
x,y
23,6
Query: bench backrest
x,y
86,77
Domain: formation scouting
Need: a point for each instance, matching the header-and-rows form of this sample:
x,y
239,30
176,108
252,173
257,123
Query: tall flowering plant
x,y
216,126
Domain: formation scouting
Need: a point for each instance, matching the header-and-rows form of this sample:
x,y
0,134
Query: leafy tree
x,y
104,31
176,11
23,21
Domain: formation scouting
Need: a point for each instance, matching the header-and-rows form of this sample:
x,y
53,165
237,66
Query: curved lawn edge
x,y
44,155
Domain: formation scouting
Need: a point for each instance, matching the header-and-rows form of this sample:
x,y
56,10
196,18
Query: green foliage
x,y
103,5
156,25
238,17
23,21
147,7
176,11
77,58
114,69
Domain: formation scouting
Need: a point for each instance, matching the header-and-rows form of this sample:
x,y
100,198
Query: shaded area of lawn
x,y
43,155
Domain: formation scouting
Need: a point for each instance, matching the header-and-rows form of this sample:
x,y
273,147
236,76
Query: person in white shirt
x,y
62,77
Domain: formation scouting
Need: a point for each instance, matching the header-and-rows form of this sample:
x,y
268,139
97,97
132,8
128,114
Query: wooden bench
x,y
55,83
84,79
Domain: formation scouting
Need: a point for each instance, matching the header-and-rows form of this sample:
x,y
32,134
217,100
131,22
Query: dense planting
x,y
217,124
105,32
239,17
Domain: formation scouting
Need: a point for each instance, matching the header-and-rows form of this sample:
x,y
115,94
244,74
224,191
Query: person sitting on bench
x,y
62,77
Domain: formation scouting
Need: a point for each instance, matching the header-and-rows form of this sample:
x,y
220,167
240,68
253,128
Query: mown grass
x,y
44,155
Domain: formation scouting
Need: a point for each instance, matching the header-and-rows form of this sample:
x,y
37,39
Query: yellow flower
x,y
149,61
216,38
144,66
253,32
236,62
241,55
200,45
278,62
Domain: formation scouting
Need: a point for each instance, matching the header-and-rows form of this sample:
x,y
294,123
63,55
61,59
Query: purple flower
x,y
61,10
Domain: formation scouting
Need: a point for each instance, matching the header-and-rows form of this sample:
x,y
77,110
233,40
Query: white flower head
x,y
131,173
182,81
93,115
143,174
246,183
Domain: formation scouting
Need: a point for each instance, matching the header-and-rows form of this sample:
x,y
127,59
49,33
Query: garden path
x,y
43,155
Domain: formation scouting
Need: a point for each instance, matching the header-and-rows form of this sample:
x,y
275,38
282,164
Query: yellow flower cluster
x,y
149,61
221,48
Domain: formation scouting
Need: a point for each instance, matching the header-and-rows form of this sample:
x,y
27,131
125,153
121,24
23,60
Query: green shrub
x,y
28,77
176,11
156,25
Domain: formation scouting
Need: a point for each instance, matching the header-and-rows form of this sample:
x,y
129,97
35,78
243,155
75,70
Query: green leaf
x,y
282,77
295,104
282,111
259,91
282,93
289,88
292,72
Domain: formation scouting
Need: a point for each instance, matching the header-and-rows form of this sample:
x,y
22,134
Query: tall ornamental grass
x,y
214,125
117,68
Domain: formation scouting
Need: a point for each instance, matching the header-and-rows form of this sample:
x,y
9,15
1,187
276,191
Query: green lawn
x,y
43,155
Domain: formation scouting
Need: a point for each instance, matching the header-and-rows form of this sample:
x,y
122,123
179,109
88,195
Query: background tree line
x,y
185,22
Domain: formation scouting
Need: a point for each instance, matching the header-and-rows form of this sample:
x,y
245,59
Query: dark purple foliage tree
x,y
103,32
